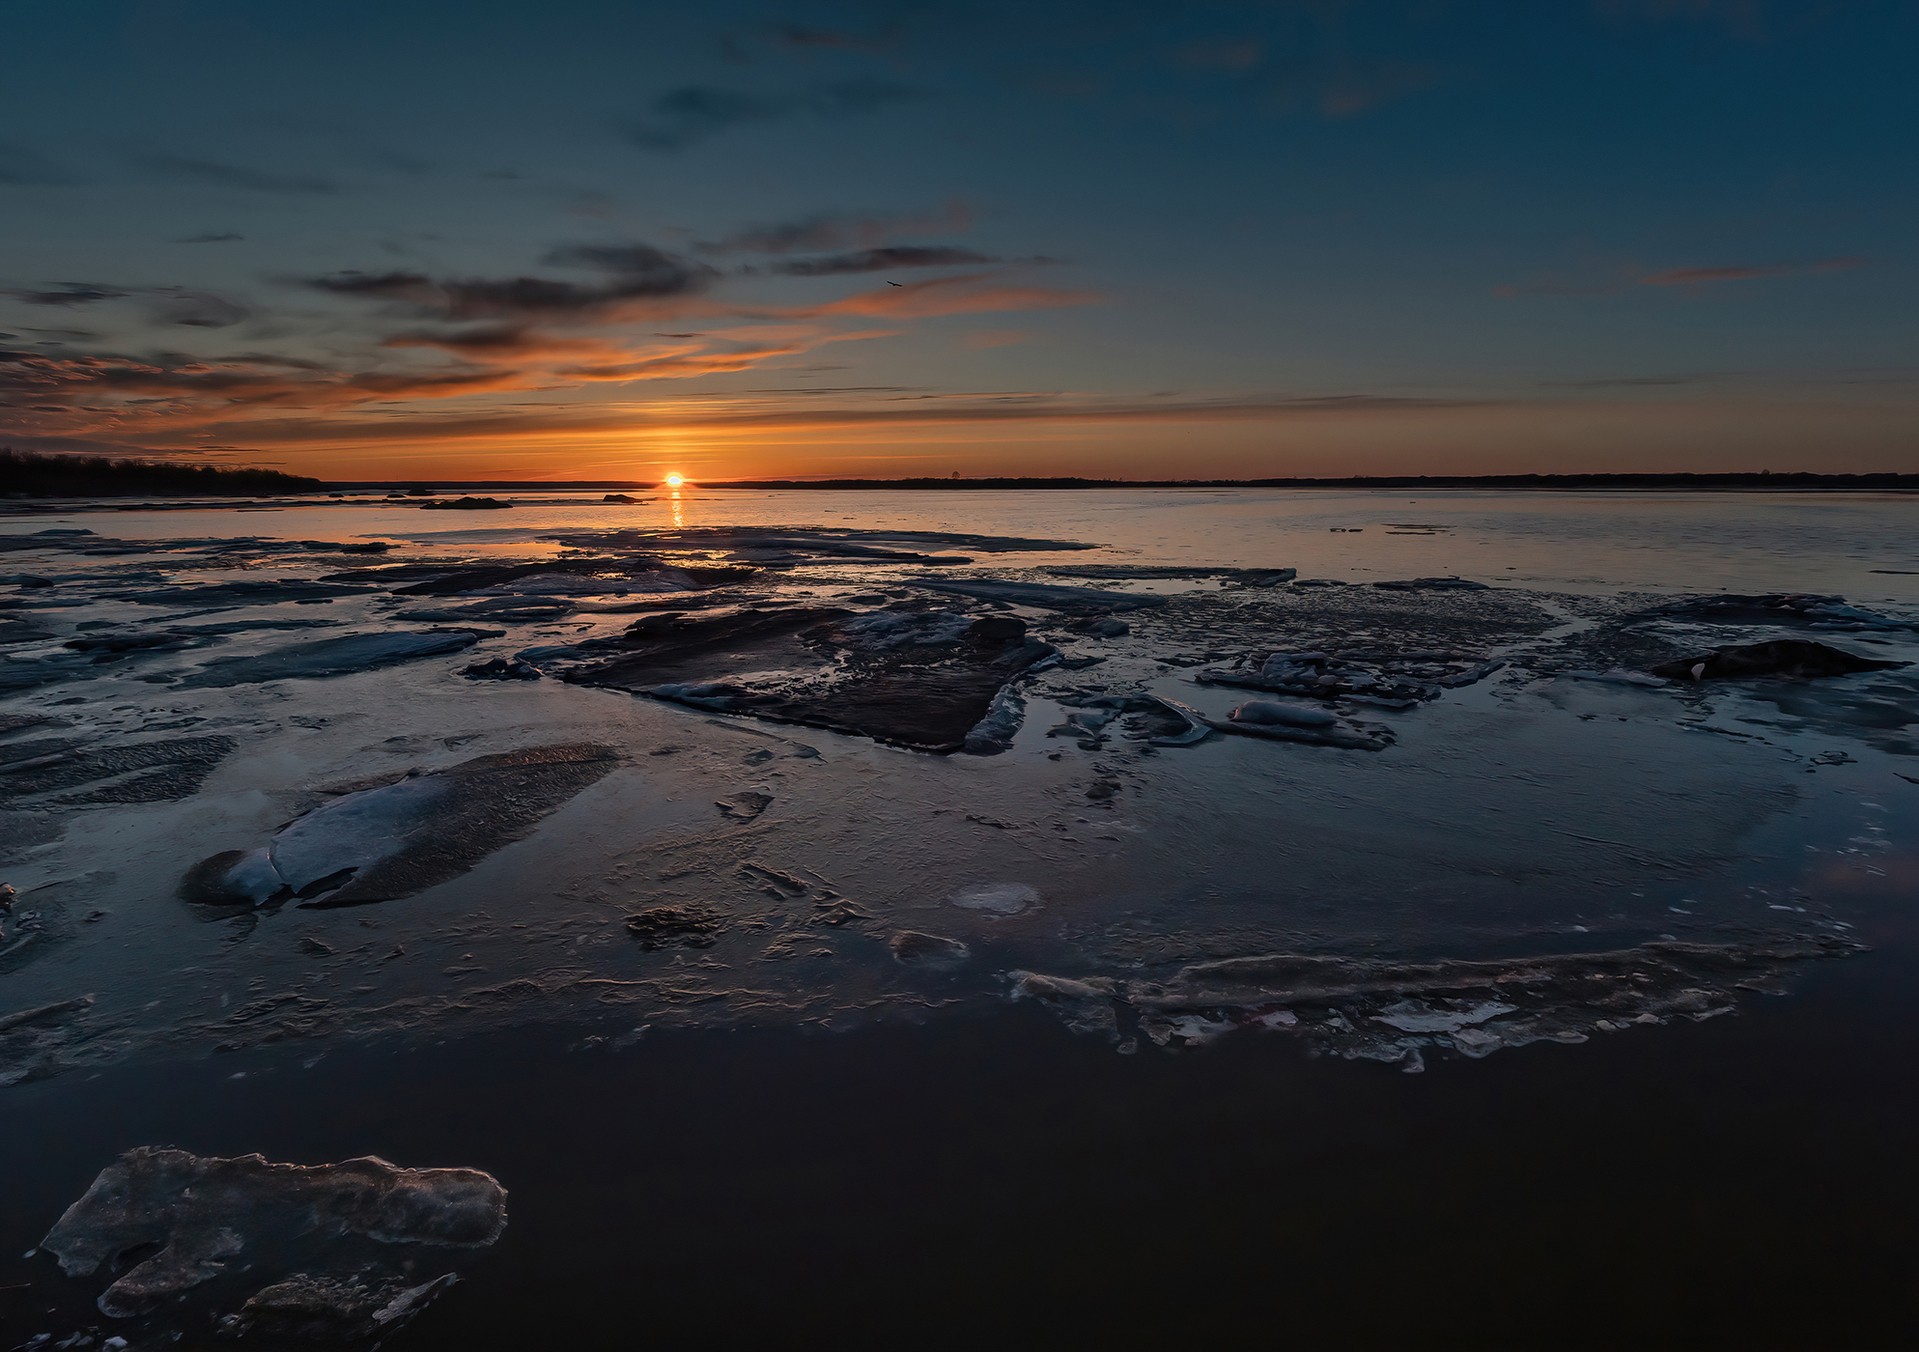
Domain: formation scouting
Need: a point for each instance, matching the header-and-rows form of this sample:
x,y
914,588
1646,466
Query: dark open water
x,y
1746,1182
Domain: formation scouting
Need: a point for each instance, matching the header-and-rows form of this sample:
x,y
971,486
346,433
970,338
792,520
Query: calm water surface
x,y
1666,541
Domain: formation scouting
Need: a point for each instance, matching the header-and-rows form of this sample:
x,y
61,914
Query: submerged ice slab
x,y
331,657
787,545
567,577
1040,595
1794,608
73,772
1780,657
1230,577
34,1041
391,840
230,595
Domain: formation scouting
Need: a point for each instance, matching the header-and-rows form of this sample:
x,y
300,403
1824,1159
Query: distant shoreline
x,y
27,479
1763,482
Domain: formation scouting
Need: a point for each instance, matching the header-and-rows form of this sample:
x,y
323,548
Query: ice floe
x,y
242,1246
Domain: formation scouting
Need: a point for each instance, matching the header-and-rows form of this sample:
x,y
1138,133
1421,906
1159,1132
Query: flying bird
x,y
898,284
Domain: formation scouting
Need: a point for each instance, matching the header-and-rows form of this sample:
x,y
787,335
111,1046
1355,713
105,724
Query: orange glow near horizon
x,y
675,480
1569,435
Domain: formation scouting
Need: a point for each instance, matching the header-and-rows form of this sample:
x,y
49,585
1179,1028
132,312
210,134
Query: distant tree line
x,y
27,474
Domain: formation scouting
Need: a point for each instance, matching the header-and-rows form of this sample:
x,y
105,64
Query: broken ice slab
x,y
927,679
1040,595
1396,681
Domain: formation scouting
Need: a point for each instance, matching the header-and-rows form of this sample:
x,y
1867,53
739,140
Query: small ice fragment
x,y
1195,1030
1411,1016
1289,715
745,805
1616,676
997,898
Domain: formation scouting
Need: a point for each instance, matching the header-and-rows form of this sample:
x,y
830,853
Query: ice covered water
x,y
1040,728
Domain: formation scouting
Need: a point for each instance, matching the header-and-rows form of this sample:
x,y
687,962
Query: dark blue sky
x,y
594,239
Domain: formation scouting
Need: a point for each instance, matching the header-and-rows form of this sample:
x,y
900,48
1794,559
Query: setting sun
x,y
675,480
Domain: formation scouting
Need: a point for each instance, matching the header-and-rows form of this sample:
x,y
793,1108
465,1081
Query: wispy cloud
x,y
67,294
431,345
1710,276
694,113
972,293
626,260
1620,279
497,343
637,275
193,309
1744,19
841,230
212,237
810,38
178,400
24,167
115,395
163,304
215,174
880,260
1352,90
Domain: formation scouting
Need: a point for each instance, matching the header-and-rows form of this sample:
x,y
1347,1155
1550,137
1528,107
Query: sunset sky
x,y
576,240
